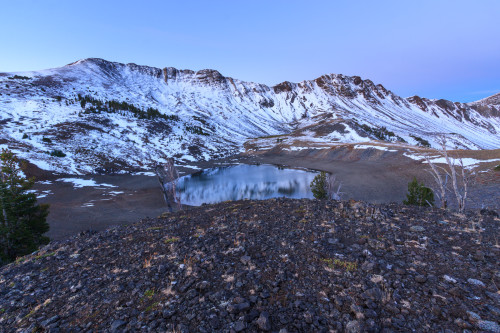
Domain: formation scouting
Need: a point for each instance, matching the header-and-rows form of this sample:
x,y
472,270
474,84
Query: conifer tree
x,y
418,194
22,220
319,186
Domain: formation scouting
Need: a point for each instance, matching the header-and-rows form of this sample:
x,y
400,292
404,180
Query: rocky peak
x,y
285,86
210,77
493,100
418,101
488,107
89,61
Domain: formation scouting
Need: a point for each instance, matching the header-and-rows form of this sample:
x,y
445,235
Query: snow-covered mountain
x,y
95,115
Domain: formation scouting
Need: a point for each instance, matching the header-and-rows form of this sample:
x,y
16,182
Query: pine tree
x,y
319,186
418,194
22,221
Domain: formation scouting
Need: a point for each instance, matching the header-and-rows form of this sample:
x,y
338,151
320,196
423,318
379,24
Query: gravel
x,y
279,265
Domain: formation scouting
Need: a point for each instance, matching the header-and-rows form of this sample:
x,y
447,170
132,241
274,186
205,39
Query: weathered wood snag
x,y
167,177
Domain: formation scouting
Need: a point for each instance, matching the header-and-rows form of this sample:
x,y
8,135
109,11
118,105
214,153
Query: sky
x,y
434,49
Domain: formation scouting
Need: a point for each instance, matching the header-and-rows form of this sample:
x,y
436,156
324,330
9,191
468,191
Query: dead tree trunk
x,y
459,186
440,181
333,189
167,177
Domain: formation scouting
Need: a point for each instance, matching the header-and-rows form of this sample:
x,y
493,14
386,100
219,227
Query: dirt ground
x,y
73,210
370,175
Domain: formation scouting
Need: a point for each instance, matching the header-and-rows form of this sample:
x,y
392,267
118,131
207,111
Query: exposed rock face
x,y
310,266
489,107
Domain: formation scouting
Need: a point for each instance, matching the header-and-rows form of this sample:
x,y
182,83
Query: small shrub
x,y
18,77
400,139
418,194
421,142
171,240
319,186
57,153
196,130
46,140
149,293
25,136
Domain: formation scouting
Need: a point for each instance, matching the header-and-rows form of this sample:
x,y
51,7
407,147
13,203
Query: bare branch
x,y
460,189
333,190
434,171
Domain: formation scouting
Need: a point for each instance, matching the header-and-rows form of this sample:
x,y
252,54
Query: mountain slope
x,y
109,116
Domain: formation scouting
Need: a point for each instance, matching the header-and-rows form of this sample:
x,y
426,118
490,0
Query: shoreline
x,y
370,176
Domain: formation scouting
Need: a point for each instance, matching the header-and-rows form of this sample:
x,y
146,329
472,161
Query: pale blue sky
x,y
436,49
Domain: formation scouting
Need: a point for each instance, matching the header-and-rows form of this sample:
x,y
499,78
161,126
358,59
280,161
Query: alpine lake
x,y
255,182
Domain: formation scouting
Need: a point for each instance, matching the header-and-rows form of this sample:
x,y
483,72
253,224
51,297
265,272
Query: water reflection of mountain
x,y
244,182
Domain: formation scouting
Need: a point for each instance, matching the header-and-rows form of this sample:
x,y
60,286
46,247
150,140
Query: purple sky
x,y
435,49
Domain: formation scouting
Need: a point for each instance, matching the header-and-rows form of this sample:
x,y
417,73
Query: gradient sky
x,y
436,49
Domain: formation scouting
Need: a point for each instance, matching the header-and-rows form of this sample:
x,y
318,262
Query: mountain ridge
x,y
217,114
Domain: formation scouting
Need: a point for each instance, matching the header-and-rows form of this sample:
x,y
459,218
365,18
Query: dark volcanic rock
x,y
308,266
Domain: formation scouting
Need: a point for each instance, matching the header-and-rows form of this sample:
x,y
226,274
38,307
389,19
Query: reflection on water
x,y
244,182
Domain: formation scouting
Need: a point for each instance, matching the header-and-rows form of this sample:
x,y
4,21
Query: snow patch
x,y
79,183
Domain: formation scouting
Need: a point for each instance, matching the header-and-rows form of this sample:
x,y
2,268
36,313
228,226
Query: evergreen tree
x,y
22,221
418,194
319,186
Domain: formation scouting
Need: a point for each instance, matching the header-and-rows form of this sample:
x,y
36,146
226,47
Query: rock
x,y
449,279
117,324
400,271
474,317
374,294
420,278
478,255
475,282
238,300
49,321
333,240
245,260
308,317
239,326
494,297
494,310
168,313
237,308
252,315
263,322
417,228
488,326
368,266
203,285
462,323
353,327
358,311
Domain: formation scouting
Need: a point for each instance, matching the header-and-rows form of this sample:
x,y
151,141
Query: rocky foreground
x,y
277,265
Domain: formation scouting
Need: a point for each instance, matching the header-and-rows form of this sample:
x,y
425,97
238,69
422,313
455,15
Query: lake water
x,y
244,182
